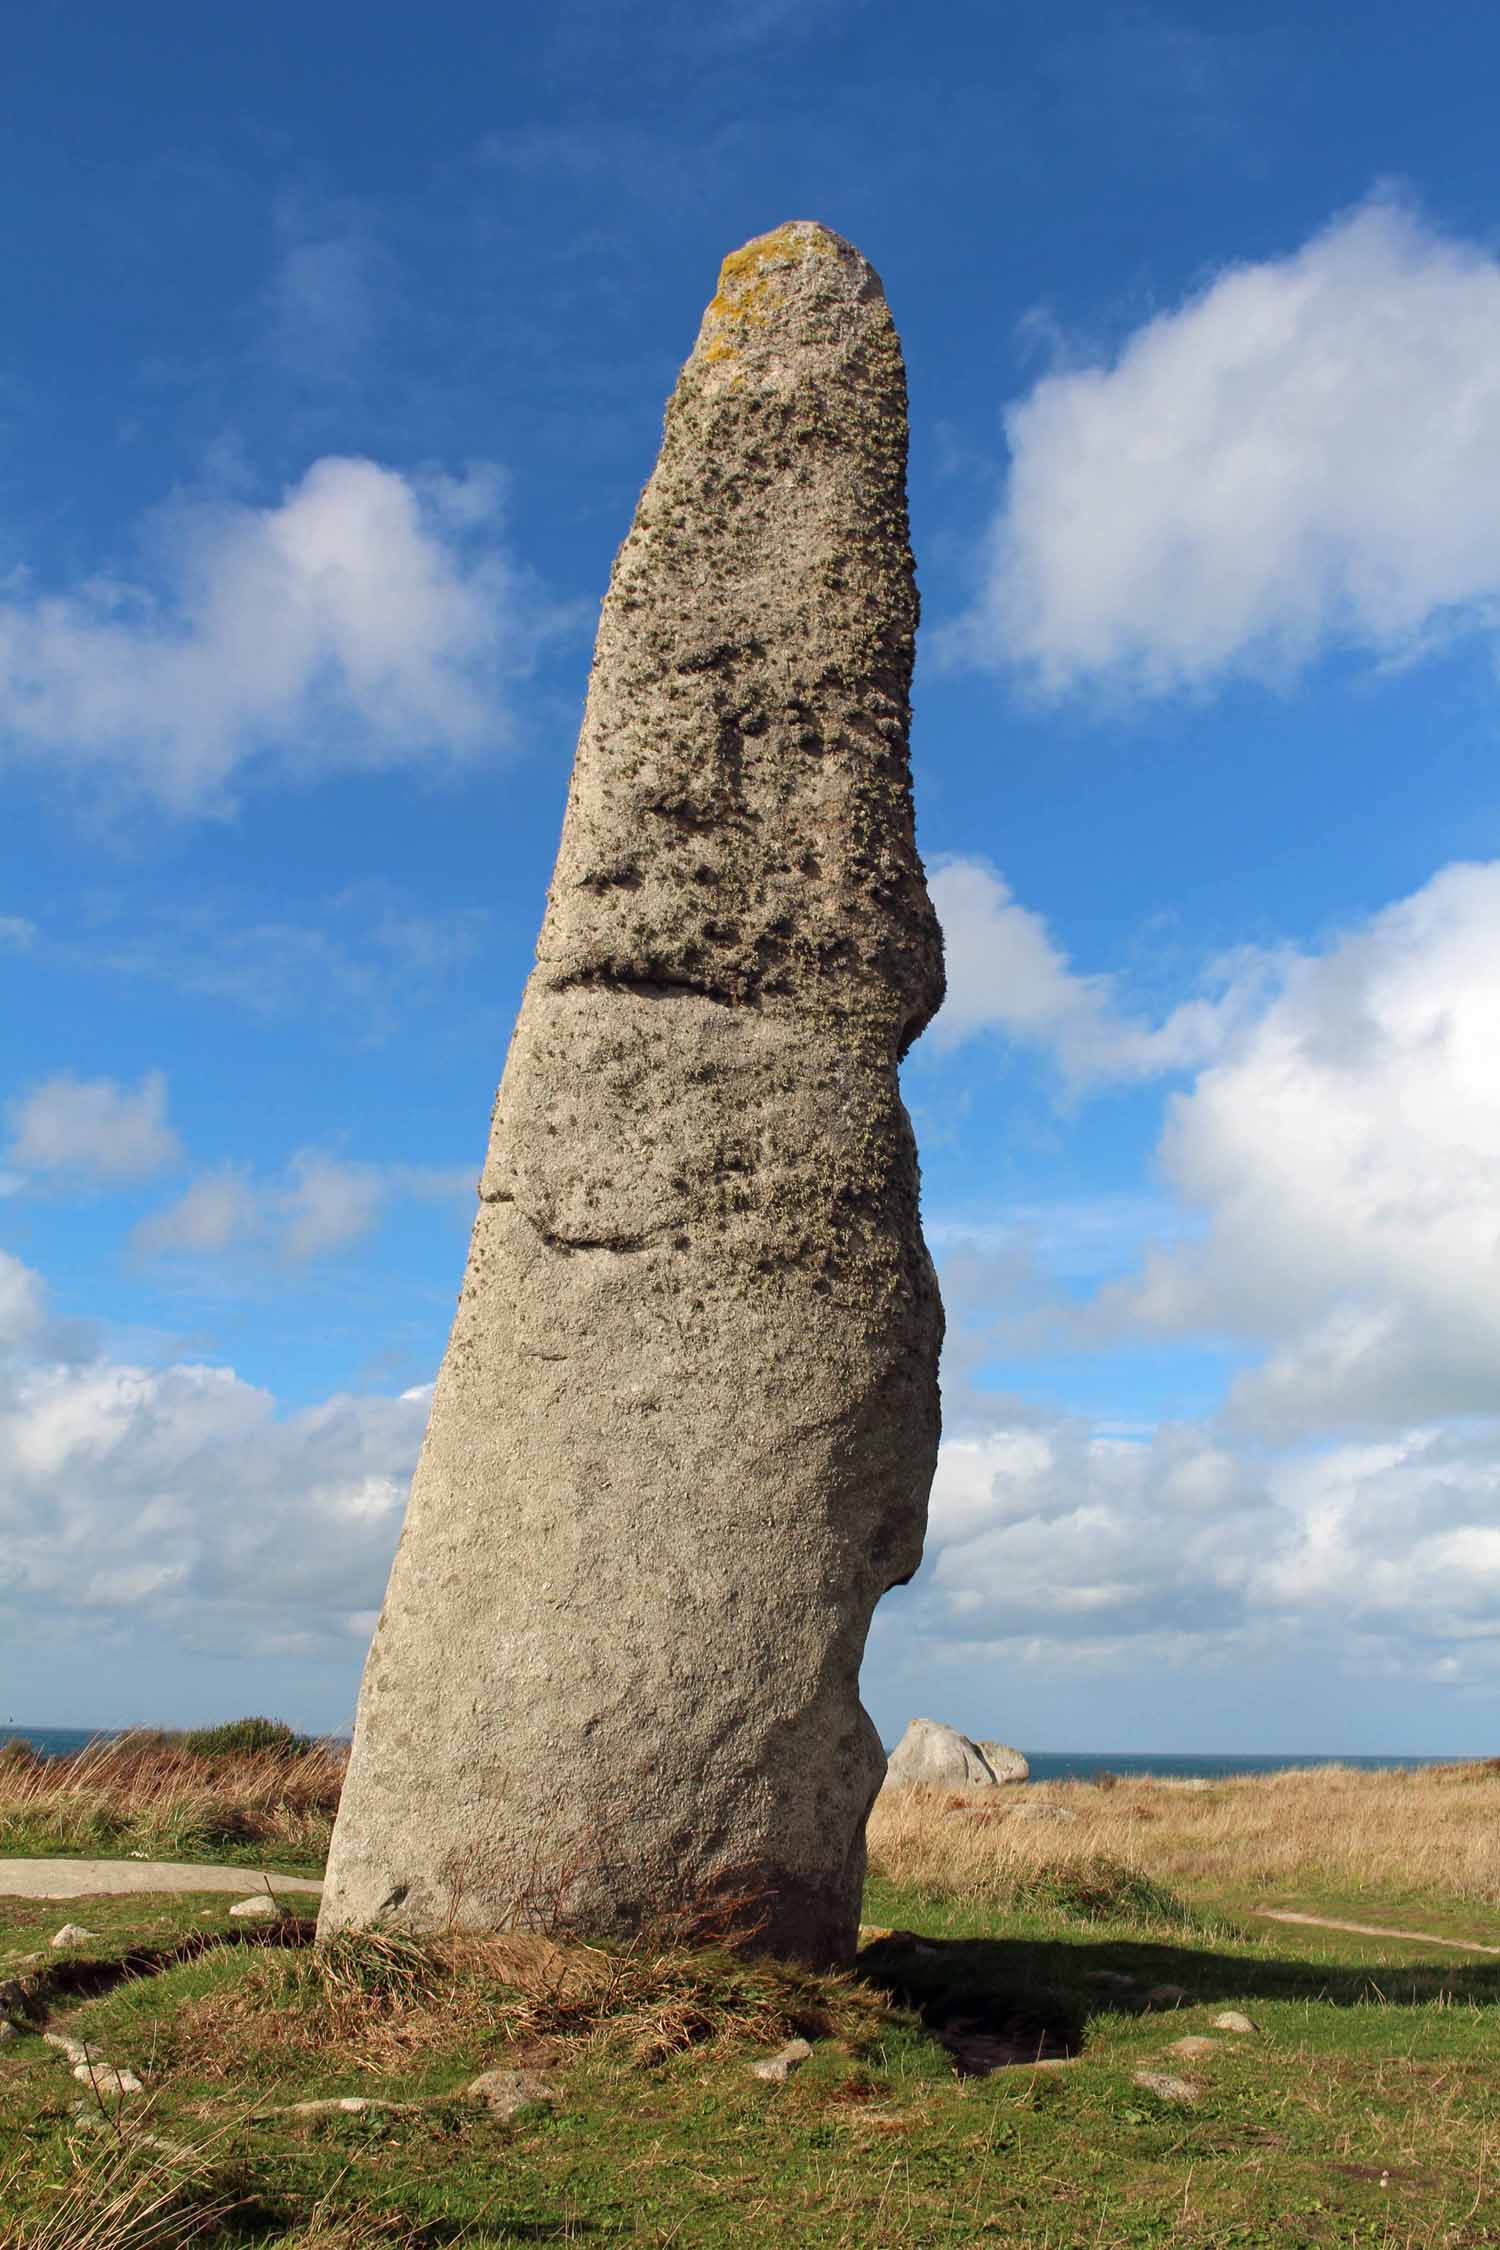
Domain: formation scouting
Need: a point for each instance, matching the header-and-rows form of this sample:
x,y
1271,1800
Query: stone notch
x,y
683,1434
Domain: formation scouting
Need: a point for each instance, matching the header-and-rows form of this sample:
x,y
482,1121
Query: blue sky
x,y
336,350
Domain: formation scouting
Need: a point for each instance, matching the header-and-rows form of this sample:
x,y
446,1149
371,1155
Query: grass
x,y
1364,2108
151,1795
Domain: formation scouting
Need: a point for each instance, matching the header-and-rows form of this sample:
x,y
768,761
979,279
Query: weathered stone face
x,y
684,1431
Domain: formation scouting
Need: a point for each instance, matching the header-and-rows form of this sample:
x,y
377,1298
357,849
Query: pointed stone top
x,y
798,284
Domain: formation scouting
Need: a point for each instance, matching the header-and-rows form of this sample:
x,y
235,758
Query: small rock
x,y
777,2068
88,2116
106,2079
1166,1995
258,1909
347,2105
73,1933
1232,2020
1115,1978
505,2093
1030,1809
1193,2047
76,2050
7,2030
1182,2091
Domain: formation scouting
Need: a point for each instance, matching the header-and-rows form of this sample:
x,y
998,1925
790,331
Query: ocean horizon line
x,y
1046,1765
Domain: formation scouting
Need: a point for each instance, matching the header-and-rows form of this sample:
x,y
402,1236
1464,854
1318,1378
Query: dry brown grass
x,y
140,1792
385,2002
124,2194
1433,1832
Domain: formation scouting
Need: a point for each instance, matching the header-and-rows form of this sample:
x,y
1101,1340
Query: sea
x,y
1046,1765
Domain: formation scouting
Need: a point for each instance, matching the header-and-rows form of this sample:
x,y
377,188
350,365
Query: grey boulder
x,y
933,1756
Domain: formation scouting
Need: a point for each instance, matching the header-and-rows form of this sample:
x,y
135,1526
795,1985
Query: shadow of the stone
x,y
998,2002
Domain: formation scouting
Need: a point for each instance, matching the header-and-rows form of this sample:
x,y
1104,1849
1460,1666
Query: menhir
x,y
683,1435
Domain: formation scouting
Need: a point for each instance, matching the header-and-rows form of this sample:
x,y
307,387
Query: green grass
x,y
1365,2109
188,1843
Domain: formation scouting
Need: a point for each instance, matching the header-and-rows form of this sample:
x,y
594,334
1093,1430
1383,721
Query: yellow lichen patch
x,y
747,291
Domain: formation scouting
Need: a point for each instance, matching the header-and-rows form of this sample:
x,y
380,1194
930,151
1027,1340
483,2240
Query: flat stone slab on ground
x,y
505,2093
109,1878
777,2068
1180,2091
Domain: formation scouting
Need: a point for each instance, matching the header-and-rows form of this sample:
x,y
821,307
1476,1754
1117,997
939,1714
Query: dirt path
x,y
1365,1929
116,1878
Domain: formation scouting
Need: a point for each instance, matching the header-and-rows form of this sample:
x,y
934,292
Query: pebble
x,y
1192,2047
1182,2091
7,2030
259,1908
73,1933
76,2050
506,2092
776,2069
104,2078
1232,2020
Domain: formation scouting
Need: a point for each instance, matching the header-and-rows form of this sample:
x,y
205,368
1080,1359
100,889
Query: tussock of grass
x,y
385,2001
125,2195
143,1793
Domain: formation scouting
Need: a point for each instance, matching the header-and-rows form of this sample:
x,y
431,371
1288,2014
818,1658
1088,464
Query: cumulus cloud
x,y
1300,457
1343,1154
178,1497
321,1204
21,1303
93,1131
1007,975
366,619
1056,1540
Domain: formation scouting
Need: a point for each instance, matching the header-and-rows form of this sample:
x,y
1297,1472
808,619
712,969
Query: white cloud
x,y
93,1131
1006,974
216,1210
1053,1541
329,1204
178,1497
368,618
1344,1153
1303,456
21,1303
321,1204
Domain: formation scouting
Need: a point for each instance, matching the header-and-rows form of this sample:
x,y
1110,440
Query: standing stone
x,y
683,1434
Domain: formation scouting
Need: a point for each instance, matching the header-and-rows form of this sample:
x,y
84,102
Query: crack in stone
x,y
653,988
